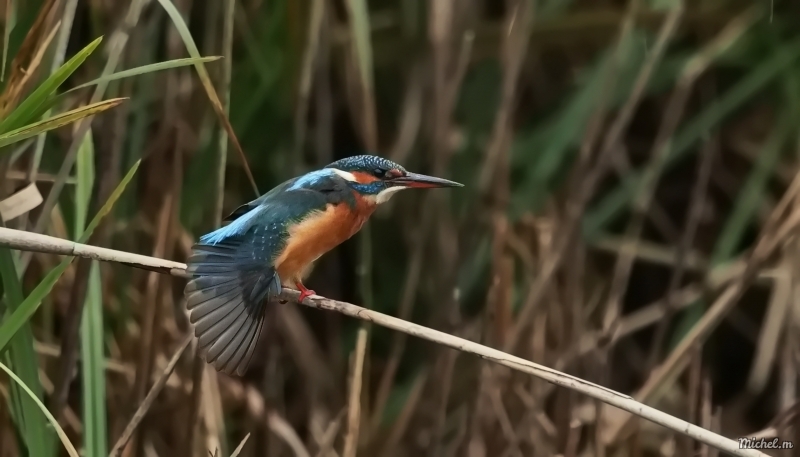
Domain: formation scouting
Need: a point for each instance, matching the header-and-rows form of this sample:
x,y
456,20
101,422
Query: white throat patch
x,y
384,195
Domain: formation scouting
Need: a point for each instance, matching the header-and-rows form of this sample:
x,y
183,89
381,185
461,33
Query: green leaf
x,y
18,318
93,373
35,104
21,355
145,69
617,200
219,110
70,448
751,195
85,181
748,200
57,121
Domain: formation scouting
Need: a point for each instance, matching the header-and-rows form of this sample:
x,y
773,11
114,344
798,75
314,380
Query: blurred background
x,y
621,160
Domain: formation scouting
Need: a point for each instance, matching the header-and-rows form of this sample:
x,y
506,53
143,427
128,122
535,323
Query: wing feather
x,y
233,275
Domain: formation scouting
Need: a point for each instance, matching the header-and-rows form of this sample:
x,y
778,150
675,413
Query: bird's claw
x,y
305,294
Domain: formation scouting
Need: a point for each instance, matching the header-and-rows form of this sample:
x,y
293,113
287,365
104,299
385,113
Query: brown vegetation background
x,y
621,159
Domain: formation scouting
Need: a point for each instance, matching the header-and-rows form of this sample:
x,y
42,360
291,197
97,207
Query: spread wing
x,y
232,275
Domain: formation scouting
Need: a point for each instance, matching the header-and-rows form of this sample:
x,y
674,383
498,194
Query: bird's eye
x,y
380,173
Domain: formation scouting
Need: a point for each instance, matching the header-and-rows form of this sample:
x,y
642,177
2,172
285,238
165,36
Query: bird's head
x,y
377,179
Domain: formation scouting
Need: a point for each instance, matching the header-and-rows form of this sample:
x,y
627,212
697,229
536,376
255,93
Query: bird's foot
x,y
304,292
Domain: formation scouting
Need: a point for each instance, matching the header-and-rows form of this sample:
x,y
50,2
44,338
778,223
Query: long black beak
x,y
423,181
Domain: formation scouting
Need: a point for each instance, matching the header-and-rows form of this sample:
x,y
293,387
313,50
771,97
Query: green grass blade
x,y
94,382
18,318
751,195
191,48
145,69
70,448
617,200
35,104
93,373
85,180
542,155
57,121
748,200
22,357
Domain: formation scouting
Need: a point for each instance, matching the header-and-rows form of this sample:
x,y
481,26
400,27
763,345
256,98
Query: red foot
x,y
304,293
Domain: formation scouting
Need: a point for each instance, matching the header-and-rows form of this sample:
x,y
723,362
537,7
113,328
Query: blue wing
x,y
232,277
232,274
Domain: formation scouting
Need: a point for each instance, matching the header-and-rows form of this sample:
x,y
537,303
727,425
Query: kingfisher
x,y
273,241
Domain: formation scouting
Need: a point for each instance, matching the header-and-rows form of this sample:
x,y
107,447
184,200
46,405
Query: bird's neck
x,y
364,204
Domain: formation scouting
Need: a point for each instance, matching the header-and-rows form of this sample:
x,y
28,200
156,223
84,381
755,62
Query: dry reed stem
x,y
660,151
624,263
770,238
148,400
325,444
403,420
17,239
354,403
116,45
587,176
239,448
284,430
682,252
149,324
315,28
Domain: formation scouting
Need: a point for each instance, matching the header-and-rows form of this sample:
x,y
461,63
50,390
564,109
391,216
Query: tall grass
x,y
518,104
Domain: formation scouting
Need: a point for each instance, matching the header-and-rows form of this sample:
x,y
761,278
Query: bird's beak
x,y
423,181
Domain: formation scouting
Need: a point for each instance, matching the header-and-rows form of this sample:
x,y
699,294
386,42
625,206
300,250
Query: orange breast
x,y
316,235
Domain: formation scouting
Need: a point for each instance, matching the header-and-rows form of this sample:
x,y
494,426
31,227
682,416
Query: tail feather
x,y
244,362
227,337
212,331
225,301
233,348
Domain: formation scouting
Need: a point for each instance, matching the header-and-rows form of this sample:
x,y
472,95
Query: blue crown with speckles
x,y
367,163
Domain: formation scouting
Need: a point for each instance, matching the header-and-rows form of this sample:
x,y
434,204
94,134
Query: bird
x,y
273,241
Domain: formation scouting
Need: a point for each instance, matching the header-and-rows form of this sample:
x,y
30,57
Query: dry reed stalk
x,y
586,178
354,403
239,448
310,56
145,405
280,427
775,232
16,239
624,264
694,68
116,46
150,325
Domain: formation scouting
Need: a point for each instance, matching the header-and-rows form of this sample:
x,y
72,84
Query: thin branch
x,y
148,400
17,239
